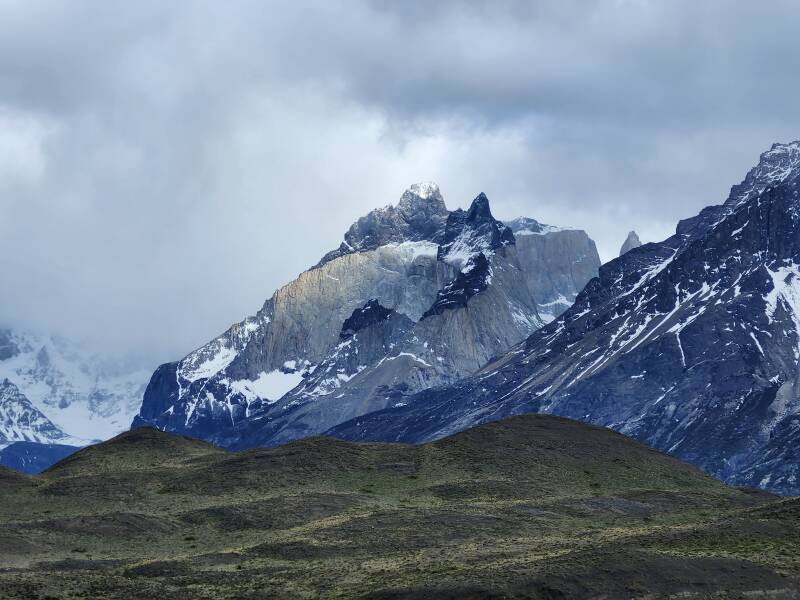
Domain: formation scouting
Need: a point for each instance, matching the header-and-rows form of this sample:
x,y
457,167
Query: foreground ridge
x,y
534,505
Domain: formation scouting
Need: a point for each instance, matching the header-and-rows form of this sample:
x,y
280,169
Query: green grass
x,y
531,506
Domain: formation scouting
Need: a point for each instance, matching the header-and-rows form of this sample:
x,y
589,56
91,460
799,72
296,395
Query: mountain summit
x,y
779,164
420,215
691,345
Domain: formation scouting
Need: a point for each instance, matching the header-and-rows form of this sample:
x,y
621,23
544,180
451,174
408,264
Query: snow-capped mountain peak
x,y
424,190
419,215
472,232
777,165
21,421
83,393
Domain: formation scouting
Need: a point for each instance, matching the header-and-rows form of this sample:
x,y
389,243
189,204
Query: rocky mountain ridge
x,y
691,345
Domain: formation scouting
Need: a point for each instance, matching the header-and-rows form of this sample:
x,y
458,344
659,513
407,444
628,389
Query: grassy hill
x,y
534,506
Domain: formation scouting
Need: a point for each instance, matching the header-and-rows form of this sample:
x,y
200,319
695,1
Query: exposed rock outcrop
x,y
558,263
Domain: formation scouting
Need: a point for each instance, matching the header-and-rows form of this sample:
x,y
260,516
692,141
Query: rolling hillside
x,y
533,506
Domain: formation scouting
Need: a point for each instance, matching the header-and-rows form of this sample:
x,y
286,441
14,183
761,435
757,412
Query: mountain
x,y
84,393
691,345
415,296
34,457
631,242
20,421
534,506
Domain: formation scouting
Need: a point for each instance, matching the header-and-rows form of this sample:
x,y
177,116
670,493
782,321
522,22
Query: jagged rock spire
x,y
470,232
631,242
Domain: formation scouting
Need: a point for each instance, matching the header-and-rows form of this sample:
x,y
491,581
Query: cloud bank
x,y
165,166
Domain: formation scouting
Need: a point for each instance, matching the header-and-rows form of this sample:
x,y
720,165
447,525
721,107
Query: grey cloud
x,y
165,166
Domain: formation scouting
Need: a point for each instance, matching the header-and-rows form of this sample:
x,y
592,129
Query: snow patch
x,y
86,395
545,229
270,386
210,366
786,290
413,250
424,189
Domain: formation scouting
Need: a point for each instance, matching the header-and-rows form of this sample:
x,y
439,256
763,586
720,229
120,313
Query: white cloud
x,y
22,146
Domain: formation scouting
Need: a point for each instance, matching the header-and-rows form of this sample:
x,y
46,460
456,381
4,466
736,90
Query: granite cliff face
x,y
558,262
691,345
415,296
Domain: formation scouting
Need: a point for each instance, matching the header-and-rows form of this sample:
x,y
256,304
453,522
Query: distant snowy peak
x,y
631,242
420,215
21,421
421,221
84,393
473,232
779,164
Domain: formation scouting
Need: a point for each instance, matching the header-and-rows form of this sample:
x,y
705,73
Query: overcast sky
x,y
164,166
